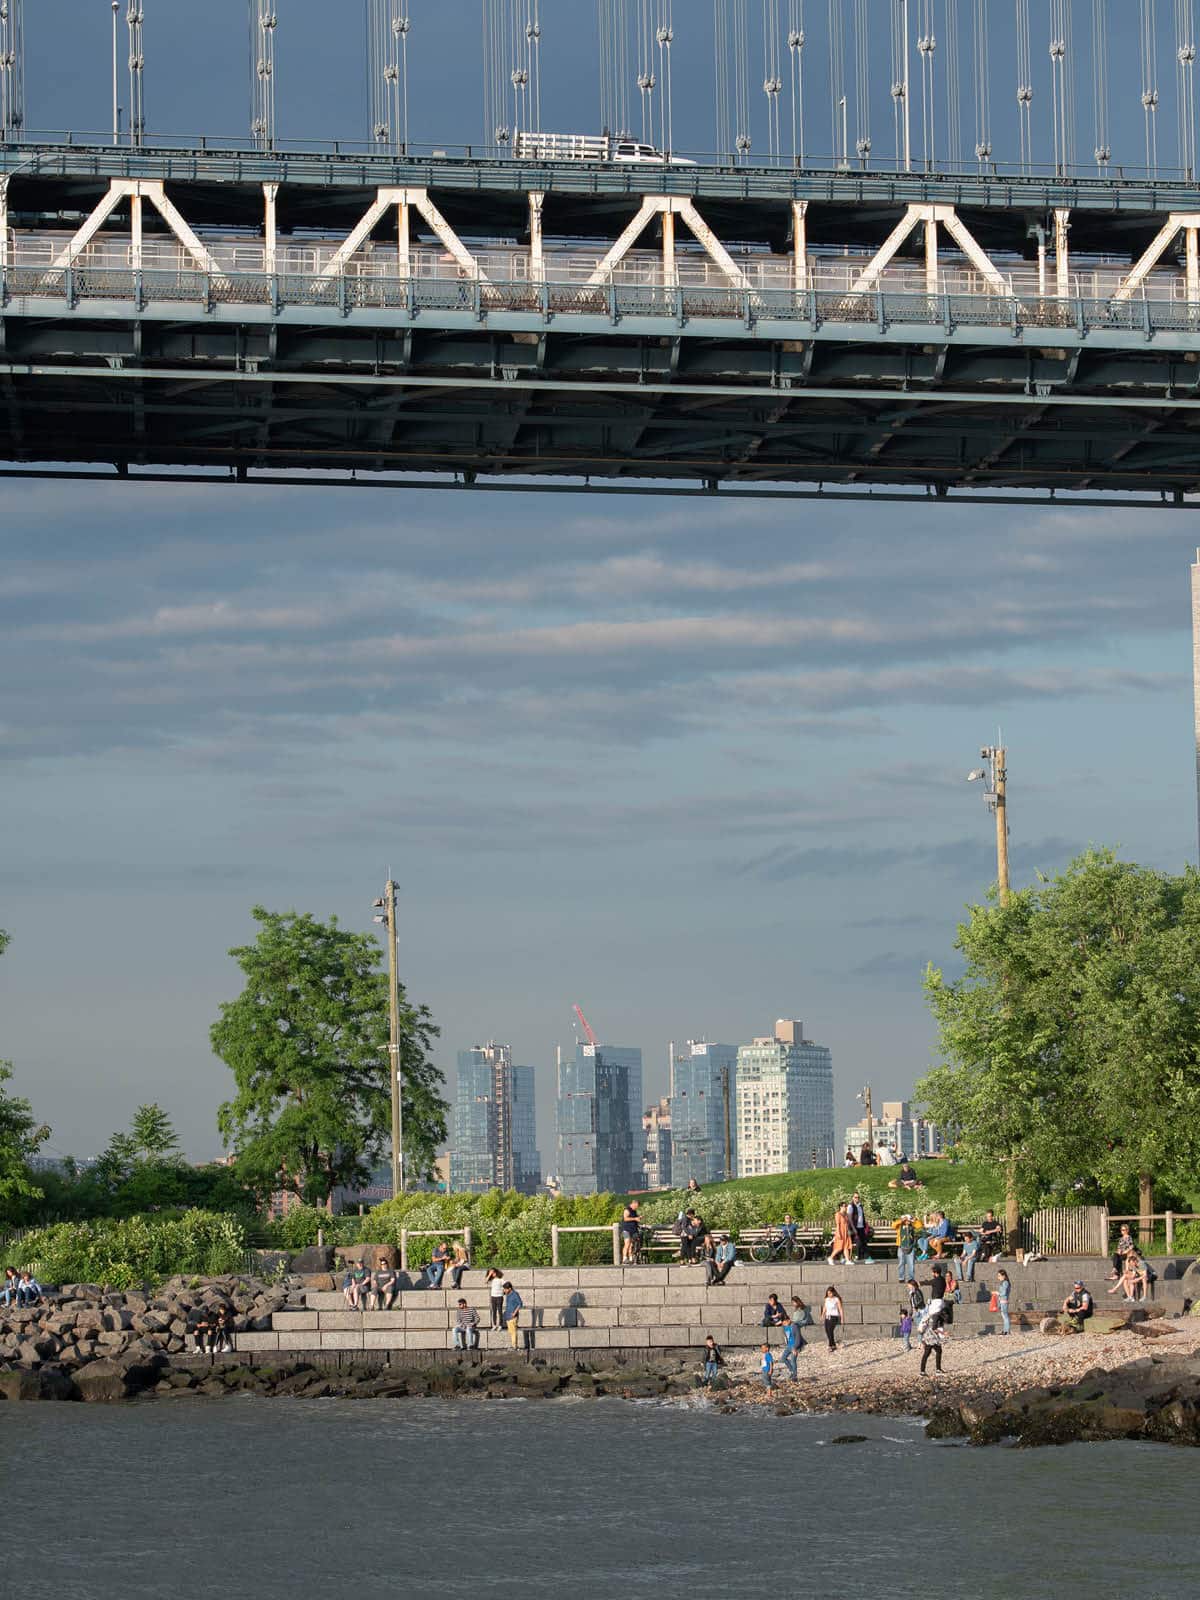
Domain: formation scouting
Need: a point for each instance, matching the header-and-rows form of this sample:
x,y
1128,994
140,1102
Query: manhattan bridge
x,y
942,247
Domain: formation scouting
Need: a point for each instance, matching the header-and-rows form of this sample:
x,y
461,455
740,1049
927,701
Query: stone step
x,y
674,1337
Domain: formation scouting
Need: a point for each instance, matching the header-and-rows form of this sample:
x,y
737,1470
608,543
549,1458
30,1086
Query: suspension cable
x,y
135,16
1024,85
837,87
1148,49
772,76
862,83
664,35
1103,149
796,52
927,46
900,95
12,69
1185,55
1060,83
953,90
982,86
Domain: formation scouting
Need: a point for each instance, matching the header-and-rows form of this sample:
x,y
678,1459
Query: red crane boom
x,y
587,1027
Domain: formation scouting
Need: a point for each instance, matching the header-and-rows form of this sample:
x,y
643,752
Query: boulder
x,y
20,1386
107,1380
317,1258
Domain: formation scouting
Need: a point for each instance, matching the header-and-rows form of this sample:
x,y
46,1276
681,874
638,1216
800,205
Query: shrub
x,y
125,1251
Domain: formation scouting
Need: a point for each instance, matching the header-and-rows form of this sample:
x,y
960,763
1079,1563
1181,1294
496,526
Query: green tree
x,y
153,1136
20,1140
307,1043
1073,1036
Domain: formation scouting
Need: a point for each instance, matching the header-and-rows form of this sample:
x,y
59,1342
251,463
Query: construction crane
x,y
586,1025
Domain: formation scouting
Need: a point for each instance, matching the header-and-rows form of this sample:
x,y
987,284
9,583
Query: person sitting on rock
x,y
203,1330
8,1293
459,1264
725,1258
354,1286
436,1270
1077,1307
1124,1248
385,1284
223,1332
466,1327
774,1315
29,1290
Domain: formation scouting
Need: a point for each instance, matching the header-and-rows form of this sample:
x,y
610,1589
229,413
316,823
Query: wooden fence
x,y
1067,1231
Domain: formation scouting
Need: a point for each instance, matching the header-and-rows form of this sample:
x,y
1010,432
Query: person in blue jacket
x,y
512,1312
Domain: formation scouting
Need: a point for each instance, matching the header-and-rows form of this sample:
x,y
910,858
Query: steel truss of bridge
x,y
933,366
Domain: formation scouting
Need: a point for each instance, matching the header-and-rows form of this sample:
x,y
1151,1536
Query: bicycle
x,y
779,1248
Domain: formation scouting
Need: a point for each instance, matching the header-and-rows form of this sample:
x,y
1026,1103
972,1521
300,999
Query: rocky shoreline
x,y
1136,1381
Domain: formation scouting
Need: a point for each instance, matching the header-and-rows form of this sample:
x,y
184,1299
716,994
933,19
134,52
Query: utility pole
x,y
387,908
729,1173
996,795
1000,791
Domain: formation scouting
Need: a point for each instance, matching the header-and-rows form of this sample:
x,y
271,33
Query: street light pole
x,y
387,908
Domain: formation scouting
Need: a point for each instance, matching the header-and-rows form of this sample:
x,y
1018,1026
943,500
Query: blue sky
x,y
694,766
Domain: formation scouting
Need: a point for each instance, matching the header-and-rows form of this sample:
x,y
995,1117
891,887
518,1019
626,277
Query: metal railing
x,y
877,310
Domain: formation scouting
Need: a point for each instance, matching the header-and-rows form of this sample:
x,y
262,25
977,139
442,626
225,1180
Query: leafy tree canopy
x,y
307,1043
1073,1037
20,1140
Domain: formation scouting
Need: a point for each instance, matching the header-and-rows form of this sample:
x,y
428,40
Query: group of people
x,y
21,1288
1131,1273
213,1331
367,1290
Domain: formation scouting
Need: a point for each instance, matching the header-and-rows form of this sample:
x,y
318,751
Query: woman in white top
x,y
495,1283
831,1314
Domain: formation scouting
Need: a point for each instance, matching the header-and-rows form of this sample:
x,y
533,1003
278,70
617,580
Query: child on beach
x,y
767,1366
712,1358
906,1326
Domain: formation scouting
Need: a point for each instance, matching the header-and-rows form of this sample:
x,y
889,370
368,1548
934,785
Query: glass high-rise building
x,y
697,1097
495,1124
784,1103
600,1119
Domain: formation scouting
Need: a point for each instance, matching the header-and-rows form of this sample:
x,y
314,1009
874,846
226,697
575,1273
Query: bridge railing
x,y
681,304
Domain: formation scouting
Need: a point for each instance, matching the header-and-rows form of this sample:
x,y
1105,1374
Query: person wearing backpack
x,y
906,1249
916,1300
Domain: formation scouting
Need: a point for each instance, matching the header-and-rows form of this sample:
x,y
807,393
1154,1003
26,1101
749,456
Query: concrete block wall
x,y
668,1307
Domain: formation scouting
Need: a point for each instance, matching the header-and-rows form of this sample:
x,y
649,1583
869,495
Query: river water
x,y
592,1500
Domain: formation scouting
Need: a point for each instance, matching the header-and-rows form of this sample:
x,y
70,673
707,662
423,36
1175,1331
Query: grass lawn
x,y
943,1180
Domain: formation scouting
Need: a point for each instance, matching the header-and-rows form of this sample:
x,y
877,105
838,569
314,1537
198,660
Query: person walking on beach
x,y
791,1348
906,1326
832,1312
1002,1293
843,1238
766,1366
495,1284
931,1342
713,1360
512,1311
